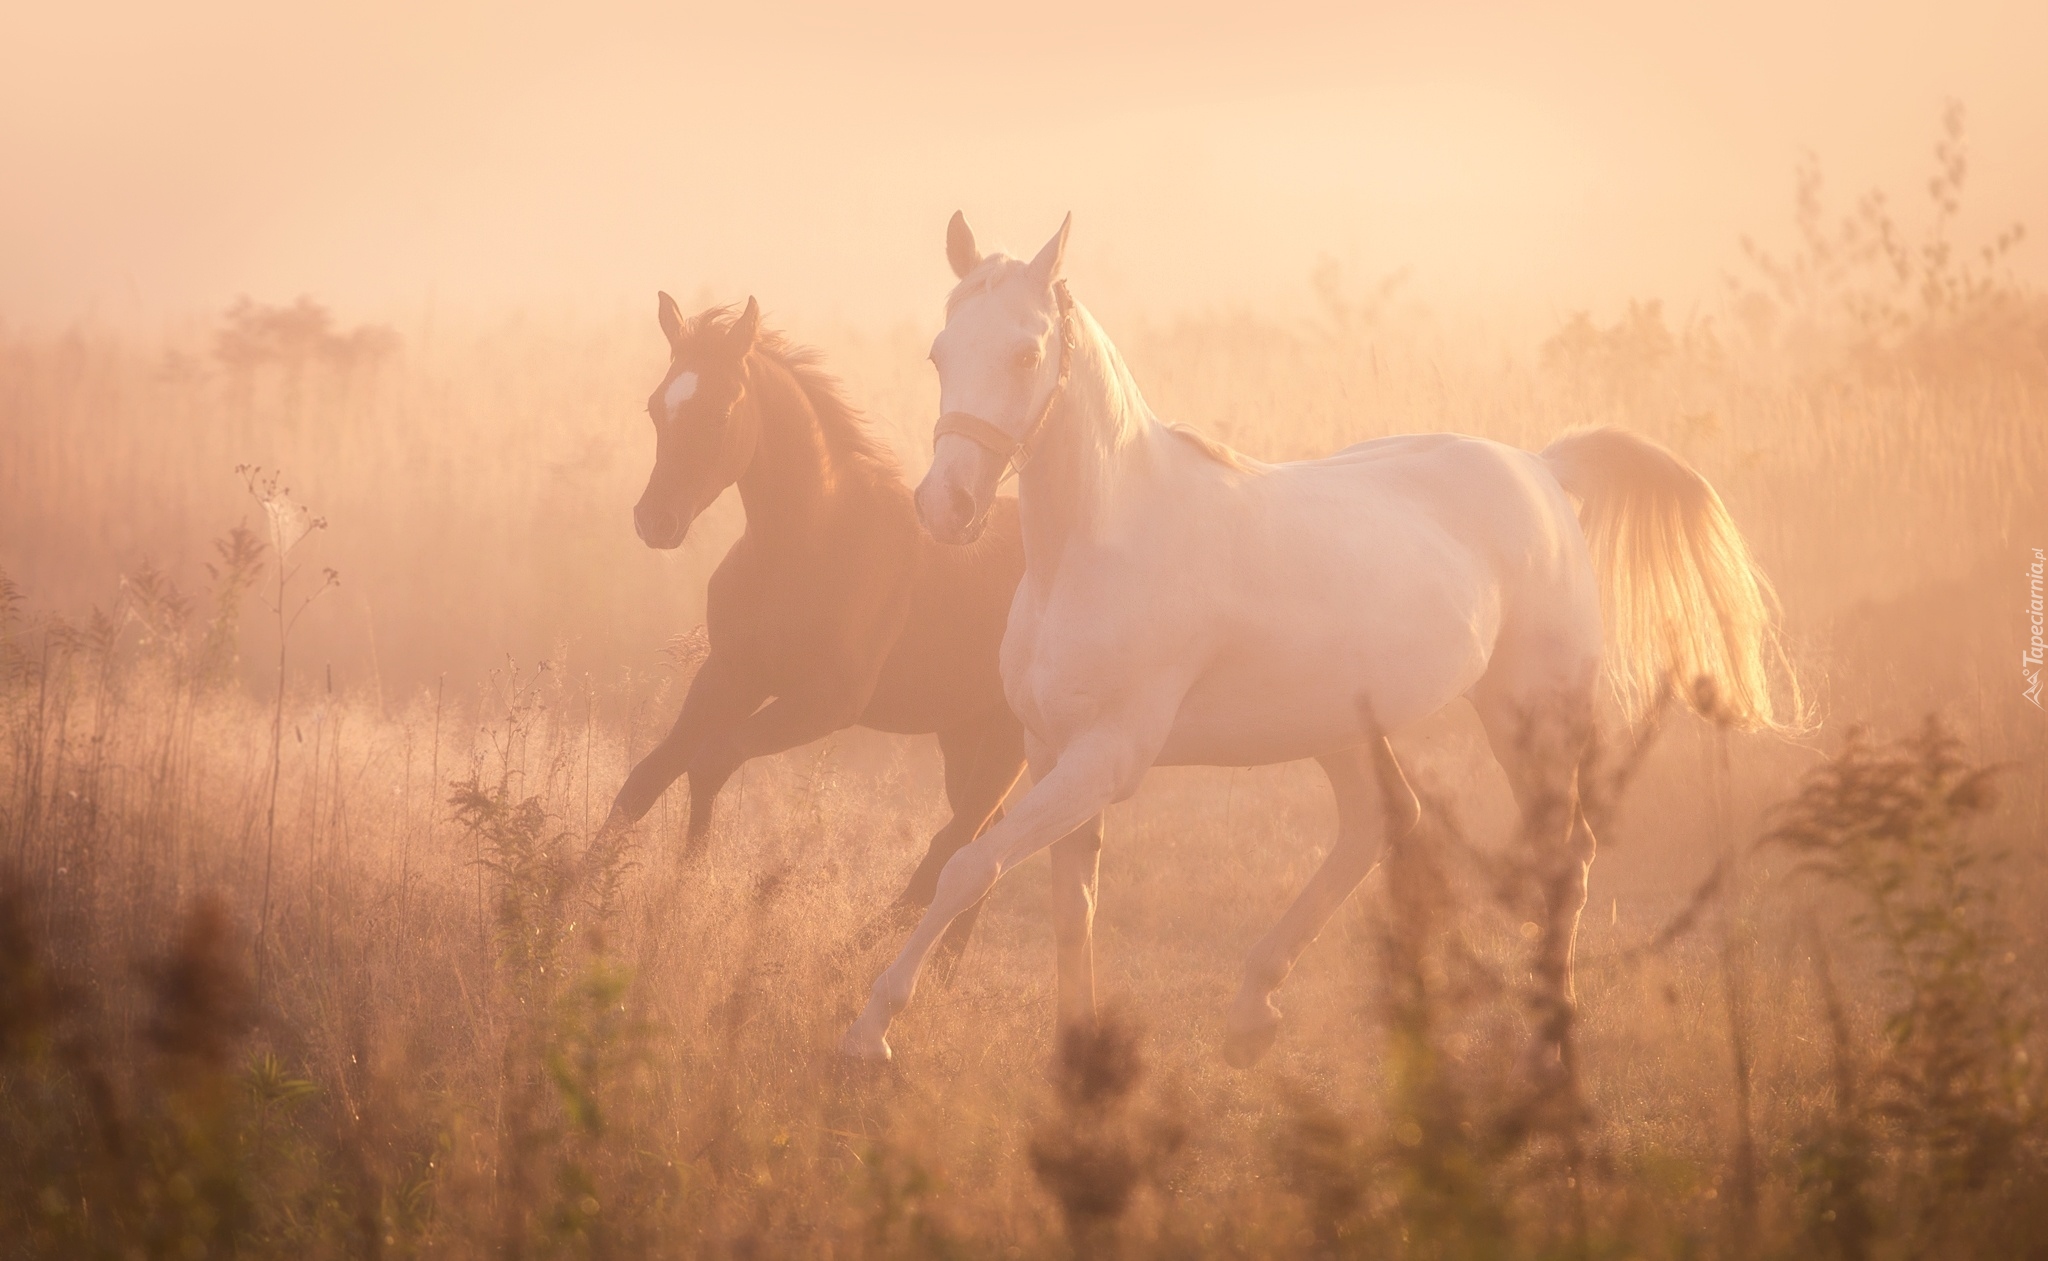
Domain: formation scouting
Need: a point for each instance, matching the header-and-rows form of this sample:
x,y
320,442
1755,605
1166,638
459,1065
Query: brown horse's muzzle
x,y
659,524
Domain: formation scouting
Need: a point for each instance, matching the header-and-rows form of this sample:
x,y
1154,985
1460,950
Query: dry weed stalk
x,y
290,524
1098,1147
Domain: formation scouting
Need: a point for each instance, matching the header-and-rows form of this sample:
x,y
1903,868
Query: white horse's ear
x,y
671,317
745,330
1046,267
960,248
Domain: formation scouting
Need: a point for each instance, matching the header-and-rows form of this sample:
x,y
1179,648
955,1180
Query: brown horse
x,y
834,609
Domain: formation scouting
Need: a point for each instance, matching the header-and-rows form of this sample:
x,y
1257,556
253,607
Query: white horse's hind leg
x,y
1076,859
1540,740
1374,806
1090,775
1581,848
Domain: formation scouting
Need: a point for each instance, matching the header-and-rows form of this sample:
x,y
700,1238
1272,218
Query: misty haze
x,y
642,631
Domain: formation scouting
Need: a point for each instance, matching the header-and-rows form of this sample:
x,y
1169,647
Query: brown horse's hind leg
x,y
983,760
717,701
706,779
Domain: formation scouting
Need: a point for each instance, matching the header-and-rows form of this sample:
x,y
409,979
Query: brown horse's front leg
x,y
707,777
718,700
780,725
910,904
982,763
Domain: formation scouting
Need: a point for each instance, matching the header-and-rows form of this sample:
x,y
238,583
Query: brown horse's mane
x,y
847,434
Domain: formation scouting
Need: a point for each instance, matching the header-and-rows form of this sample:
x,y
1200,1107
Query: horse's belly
x,y
1310,667
1222,727
1281,710
937,675
1267,630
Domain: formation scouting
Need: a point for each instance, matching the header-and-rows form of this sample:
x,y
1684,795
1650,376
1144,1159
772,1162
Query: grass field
x,y
400,1014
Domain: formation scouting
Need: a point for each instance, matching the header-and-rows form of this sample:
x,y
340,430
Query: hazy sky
x,y
161,159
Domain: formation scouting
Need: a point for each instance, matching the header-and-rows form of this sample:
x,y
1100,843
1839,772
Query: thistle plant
x,y
291,523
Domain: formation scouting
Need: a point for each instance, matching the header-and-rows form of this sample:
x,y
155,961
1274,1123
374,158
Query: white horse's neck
x,y
1097,428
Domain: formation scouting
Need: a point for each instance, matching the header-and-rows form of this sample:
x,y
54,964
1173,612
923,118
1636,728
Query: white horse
x,y
1184,605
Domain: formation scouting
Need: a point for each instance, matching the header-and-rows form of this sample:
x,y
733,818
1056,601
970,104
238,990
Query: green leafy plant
x,y
1953,1097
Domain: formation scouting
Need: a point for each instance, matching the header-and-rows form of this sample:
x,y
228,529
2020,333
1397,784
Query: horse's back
x,y
1505,507
1497,499
1393,446
1388,571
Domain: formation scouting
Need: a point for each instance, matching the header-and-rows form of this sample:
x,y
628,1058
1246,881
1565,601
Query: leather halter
x,y
1015,452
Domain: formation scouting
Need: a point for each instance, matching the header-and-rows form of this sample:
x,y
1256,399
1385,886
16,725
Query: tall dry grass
x,y
1806,975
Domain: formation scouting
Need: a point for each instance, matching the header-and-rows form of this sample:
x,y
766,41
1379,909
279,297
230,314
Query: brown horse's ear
x,y
1046,267
671,318
745,330
960,248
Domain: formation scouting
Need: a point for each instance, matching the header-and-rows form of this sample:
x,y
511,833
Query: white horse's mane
x,y
1112,409
1128,409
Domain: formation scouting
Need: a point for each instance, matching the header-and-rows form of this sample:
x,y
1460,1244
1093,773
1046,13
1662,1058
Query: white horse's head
x,y
1000,359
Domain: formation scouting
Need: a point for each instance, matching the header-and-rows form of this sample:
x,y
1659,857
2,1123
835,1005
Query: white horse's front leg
x,y
1075,863
1090,775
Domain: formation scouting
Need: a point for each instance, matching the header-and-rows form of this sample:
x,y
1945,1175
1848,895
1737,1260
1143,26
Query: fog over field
x,y
1524,163
328,634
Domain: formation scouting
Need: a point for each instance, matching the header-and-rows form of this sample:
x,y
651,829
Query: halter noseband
x,y
1016,452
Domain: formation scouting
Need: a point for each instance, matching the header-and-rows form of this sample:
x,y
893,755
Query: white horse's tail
x,y
1684,601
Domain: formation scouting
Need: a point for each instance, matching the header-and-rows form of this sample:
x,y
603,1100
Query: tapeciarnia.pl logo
x,y
2030,660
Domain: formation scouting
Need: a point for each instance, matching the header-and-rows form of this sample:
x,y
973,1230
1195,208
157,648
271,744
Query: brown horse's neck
x,y
799,476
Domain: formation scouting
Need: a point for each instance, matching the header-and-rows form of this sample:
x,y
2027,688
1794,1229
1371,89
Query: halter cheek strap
x,y
1015,452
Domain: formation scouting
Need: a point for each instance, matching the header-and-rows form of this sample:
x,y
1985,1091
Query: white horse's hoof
x,y
861,1047
1542,1064
1249,1040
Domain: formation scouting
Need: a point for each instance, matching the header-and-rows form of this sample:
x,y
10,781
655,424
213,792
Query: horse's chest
x,y
774,621
1070,658
800,624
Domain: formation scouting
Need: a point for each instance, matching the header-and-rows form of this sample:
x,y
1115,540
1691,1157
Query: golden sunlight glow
x,y
387,155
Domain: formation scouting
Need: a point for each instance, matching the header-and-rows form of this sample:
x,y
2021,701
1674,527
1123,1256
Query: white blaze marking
x,y
680,390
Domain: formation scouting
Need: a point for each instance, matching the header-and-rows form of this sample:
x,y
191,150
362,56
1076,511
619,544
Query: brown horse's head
x,y
704,425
